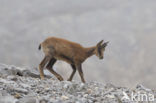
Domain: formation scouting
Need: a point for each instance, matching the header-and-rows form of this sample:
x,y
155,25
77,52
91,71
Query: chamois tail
x,y
39,48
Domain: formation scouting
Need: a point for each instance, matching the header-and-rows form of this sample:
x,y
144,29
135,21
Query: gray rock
x,y
12,77
28,88
7,99
20,90
141,87
27,100
4,93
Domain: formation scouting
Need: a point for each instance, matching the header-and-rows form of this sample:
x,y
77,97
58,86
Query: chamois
x,y
73,53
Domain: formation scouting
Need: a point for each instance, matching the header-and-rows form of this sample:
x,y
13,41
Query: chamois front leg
x,y
73,73
79,68
50,68
41,66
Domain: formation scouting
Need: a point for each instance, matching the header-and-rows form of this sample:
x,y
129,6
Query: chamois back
x,y
64,48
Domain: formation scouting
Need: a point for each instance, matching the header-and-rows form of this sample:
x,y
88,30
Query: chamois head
x,y
100,48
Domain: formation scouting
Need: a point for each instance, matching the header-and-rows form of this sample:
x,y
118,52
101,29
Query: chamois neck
x,y
90,51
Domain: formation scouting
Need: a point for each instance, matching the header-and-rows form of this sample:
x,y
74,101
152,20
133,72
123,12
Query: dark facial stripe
x,y
99,50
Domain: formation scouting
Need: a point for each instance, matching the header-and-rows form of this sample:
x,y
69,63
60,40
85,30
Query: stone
x,y
25,88
12,77
20,90
64,97
27,100
7,99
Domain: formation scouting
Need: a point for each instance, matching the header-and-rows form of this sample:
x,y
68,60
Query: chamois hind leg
x,y
50,68
41,66
79,68
73,73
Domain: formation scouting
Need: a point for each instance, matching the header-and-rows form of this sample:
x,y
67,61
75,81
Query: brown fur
x,y
73,53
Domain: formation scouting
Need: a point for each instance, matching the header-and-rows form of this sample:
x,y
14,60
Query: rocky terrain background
x,y
22,85
129,25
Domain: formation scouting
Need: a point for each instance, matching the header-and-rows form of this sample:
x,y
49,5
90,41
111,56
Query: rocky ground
x,y
22,85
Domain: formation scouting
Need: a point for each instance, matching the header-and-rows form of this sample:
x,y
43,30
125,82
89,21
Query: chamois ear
x,y
100,43
105,44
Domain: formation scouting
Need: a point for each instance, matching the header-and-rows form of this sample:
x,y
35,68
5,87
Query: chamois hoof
x,y
42,78
60,78
84,81
69,79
